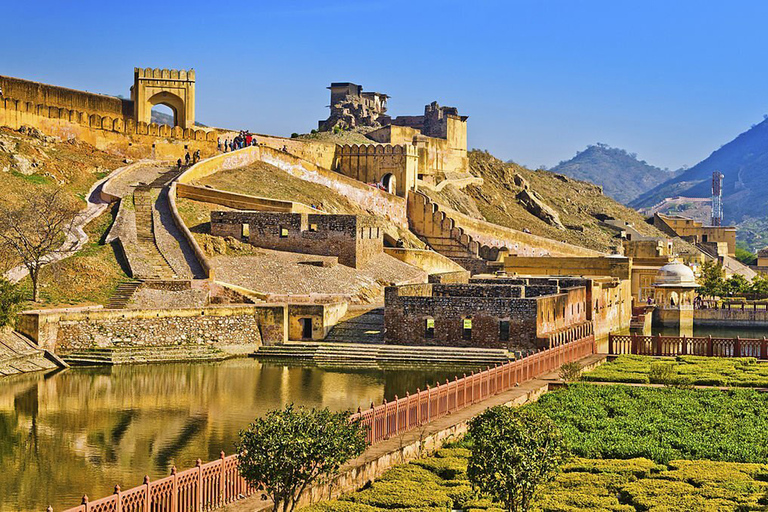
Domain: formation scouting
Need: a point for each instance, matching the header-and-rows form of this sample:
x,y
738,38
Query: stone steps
x,y
145,235
338,352
26,363
364,326
138,355
123,294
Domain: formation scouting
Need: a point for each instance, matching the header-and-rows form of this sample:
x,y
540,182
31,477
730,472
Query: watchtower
x,y
171,87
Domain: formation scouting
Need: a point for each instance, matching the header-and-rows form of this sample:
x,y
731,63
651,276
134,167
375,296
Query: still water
x,y
83,430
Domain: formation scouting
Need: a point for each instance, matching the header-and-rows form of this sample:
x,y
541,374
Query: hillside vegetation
x,y
576,202
622,176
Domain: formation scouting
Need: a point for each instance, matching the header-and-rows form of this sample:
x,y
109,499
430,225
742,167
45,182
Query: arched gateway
x,y
171,87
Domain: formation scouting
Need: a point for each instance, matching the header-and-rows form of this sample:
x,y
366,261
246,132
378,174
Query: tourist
x,y
186,159
218,144
196,157
178,163
248,139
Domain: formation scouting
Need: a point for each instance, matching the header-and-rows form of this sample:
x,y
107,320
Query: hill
x,y
622,176
744,164
578,204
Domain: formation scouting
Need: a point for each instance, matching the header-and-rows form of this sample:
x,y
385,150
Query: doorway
x,y
306,328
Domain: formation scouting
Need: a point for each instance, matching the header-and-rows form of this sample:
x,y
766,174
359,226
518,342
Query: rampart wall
x,y
429,261
239,201
238,329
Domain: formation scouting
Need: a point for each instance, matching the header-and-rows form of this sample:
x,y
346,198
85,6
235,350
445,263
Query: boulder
x,y
534,204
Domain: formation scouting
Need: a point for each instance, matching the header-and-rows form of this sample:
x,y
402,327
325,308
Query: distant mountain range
x,y
163,118
744,164
622,176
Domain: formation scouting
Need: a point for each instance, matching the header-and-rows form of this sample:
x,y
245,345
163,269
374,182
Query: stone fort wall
x,y
370,163
351,239
237,329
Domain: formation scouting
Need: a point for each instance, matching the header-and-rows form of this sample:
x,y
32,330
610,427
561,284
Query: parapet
x,y
165,74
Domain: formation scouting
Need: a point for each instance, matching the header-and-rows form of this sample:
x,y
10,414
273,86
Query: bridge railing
x,y
215,484
682,345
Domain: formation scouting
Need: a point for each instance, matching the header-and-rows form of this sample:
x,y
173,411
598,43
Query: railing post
x,y
657,345
737,347
610,343
418,407
118,499
397,415
222,474
147,495
684,350
633,344
199,500
385,421
429,403
710,347
764,348
174,491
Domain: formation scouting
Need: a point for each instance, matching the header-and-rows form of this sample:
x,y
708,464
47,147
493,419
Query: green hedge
x,y
695,370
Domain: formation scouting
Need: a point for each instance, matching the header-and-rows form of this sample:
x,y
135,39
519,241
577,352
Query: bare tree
x,y
37,228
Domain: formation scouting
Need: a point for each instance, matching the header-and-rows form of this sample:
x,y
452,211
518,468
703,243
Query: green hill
x,y
622,176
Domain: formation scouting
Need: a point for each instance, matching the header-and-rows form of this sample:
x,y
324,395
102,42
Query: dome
x,y
675,274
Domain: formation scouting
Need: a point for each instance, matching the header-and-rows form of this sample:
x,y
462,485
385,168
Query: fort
x,y
337,253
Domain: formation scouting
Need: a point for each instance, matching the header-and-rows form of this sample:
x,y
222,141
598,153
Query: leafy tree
x,y
745,256
737,285
36,229
711,280
289,449
514,451
11,299
759,285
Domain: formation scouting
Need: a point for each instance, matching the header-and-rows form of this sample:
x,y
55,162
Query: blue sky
x,y
669,80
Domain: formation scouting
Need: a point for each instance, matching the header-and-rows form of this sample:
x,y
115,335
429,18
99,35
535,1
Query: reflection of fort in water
x,y
87,429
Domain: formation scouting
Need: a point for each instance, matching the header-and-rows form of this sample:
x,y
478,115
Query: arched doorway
x,y
388,183
163,114
172,102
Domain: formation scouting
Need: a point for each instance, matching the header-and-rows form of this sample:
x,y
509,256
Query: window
x,y
429,328
466,332
283,232
246,232
313,228
504,330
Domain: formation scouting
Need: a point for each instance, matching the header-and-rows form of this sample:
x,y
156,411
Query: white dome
x,y
675,274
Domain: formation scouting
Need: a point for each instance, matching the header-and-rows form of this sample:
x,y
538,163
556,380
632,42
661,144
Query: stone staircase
x,y
20,355
361,353
123,294
360,325
139,355
158,266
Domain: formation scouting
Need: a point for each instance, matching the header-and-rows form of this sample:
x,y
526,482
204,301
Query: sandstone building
x,y
506,313
353,239
352,108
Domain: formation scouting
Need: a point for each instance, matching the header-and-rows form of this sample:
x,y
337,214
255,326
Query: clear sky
x,y
539,79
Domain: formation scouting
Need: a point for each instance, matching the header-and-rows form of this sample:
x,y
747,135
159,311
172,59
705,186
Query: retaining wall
x,y
731,318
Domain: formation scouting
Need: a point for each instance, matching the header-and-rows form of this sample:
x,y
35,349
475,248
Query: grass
x,y
694,370
581,485
89,277
661,424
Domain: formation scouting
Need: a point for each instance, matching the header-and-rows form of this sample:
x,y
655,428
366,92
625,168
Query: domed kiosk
x,y
674,291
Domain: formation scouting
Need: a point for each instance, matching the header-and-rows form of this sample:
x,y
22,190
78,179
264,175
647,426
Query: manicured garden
x,y
632,448
688,370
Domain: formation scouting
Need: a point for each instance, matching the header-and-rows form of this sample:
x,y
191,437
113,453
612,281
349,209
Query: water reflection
x,y
84,430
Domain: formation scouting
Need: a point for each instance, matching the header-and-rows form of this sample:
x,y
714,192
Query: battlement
x,y
164,74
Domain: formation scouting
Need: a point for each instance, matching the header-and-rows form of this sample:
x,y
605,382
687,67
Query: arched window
x,y
504,330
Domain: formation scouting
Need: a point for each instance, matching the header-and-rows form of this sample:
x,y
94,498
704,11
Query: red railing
x,y
212,485
413,411
682,345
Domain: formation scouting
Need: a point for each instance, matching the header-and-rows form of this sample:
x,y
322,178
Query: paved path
x,y
77,238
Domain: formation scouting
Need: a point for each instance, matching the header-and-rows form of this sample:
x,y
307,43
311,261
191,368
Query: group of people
x,y
188,160
240,141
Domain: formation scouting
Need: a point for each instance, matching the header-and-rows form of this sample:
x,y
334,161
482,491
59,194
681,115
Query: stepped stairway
x,y
159,268
363,325
20,355
123,294
378,353
139,355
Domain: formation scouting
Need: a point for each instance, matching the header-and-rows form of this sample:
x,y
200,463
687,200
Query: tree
x,y
513,452
711,280
737,285
759,285
287,450
11,299
36,229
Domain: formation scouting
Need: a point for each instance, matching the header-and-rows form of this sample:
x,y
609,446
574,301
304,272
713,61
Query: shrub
x,y
661,373
401,494
287,450
570,372
294,135
11,300
514,451
448,468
